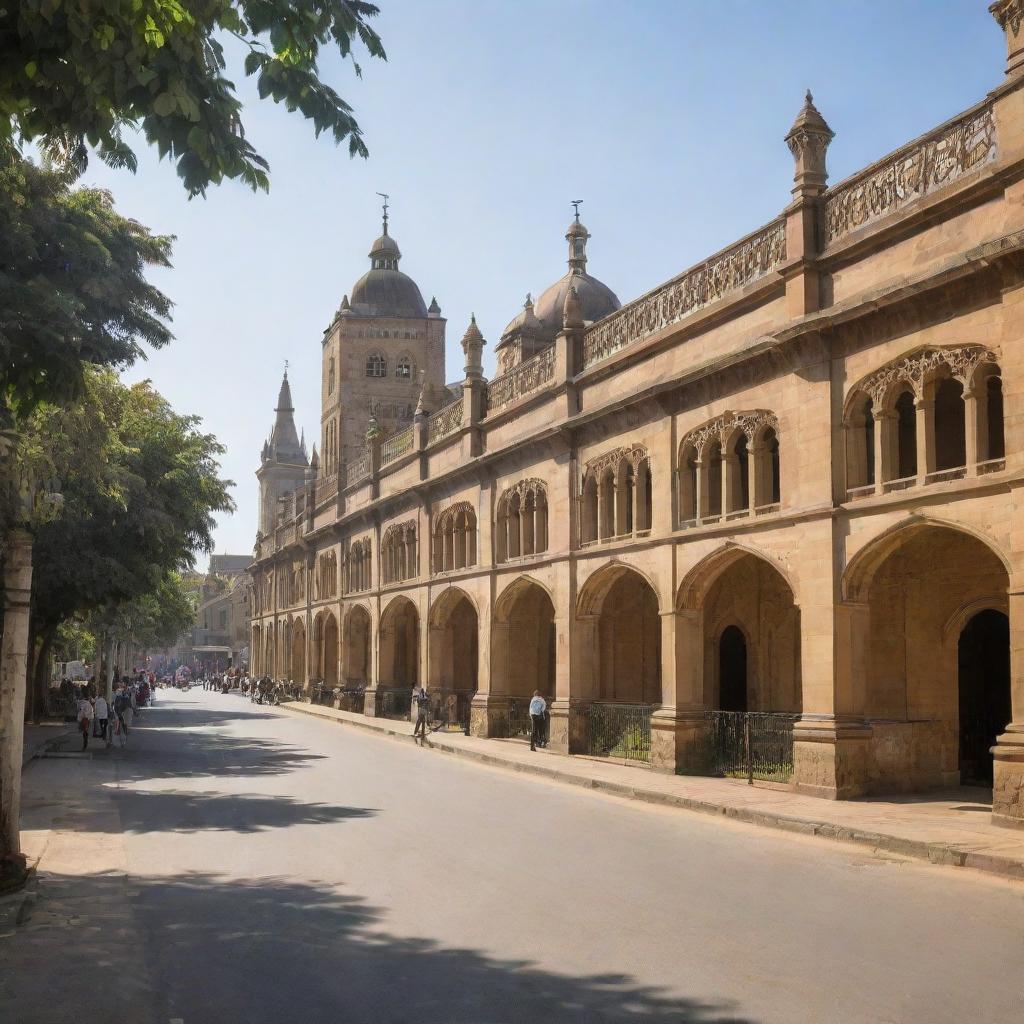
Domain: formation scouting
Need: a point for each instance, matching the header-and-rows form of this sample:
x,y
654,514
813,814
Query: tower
x,y
283,462
382,339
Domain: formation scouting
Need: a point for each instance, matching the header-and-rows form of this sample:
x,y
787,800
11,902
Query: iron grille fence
x,y
321,694
350,700
751,744
449,710
394,704
620,730
513,722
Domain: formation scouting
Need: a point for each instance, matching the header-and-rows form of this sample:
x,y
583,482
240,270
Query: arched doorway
x,y
983,677
627,636
298,652
922,661
454,645
524,642
732,670
357,647
329,658
399,644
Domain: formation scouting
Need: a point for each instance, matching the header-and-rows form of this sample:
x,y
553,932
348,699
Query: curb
x,y
940,854
41,749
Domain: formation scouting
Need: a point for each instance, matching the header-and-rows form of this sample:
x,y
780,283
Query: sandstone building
x,y
779,493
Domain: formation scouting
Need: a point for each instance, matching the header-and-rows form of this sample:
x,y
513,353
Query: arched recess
x,y
328,649
357,647
298,652
750,625
622,647
399,644
919,583
523,641
454,642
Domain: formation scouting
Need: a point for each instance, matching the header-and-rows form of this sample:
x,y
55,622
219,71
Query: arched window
x,y
455,539
737,468
514,526
950,430
644,496
540,529
770,462
404,369
606,493
527,514
625,484
860,444
995,444
713,475
589,510
330,376
906,435
376,365
688,484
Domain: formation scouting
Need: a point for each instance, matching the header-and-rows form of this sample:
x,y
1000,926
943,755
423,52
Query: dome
x,y
387,293
597,300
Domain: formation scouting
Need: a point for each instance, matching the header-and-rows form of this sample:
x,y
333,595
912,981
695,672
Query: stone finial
x,y
473,346
1010,15
433,309
372,429
808,141
314,460
345,307
572,309
422,402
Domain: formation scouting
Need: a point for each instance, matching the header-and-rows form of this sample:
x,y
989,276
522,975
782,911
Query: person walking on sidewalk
x,y
538,705
85,715
102,714
422,709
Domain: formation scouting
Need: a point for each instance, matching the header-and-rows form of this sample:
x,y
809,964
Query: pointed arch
x,y
699,579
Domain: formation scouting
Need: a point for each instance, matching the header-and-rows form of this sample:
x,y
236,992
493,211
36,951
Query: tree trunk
x,y
13,673
41,674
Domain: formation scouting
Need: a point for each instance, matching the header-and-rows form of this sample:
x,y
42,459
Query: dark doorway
x,y
732,670
984,681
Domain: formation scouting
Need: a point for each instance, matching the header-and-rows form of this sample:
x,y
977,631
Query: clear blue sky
x,y
666,116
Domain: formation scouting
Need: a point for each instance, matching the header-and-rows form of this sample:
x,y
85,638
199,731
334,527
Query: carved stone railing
x,y
521,380
358,469
445,421
326,488
922,166
749,259
396,446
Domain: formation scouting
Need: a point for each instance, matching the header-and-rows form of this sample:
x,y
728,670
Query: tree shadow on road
x,y
273,950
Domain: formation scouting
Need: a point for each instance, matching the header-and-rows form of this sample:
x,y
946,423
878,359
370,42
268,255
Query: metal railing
x,y
396,446
750,744
350,699
513,722
445,421
620,730
521,380
449,710
395,704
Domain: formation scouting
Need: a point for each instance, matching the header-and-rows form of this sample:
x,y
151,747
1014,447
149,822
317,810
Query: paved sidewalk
x,y
949,827
47,734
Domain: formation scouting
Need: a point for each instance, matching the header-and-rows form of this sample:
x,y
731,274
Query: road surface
x,y
246,864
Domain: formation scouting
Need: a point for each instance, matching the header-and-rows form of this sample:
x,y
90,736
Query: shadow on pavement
x,y
273,950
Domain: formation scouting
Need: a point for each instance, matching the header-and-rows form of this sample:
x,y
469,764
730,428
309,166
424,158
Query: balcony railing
x,y
358,470
957,473
326,488
919,168
396,446
445,421
741,264
521,380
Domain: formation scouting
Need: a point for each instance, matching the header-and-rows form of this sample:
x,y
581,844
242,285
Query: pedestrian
x,y
538,705
123,709
422,708
102,715
85,715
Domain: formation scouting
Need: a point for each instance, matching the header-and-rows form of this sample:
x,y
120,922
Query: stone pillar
x,y
1008,753
886,442
757,484
488,710
972,430
925,437
701,503
13,674
1010,15
679,728
575,682
730,482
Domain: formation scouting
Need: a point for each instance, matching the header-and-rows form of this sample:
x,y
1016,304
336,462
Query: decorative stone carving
x,y
445,421
919,367
748,260
914,171
722,427
635,454
523,379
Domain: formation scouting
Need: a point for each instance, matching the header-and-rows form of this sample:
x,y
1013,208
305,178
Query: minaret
x,y
577,236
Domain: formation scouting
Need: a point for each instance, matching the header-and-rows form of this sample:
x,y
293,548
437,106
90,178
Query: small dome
x,y
385,246
524,322
387,293
597,300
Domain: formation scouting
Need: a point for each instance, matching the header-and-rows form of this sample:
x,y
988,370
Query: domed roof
x,y
597,300
525,322
384,290
387,293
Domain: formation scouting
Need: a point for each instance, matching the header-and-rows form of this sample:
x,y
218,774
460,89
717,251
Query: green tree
x,y
73,289
79,74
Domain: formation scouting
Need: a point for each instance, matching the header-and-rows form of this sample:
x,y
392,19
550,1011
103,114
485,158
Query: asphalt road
x,y
274,868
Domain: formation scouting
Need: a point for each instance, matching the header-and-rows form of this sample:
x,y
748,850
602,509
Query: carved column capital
x,y
1010,15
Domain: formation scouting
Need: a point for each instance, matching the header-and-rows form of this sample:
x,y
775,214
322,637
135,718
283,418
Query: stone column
x,y
730,481
679,727
575,682
701,503
1008,753
756,477
925,437
487,710
886,442
972,431
13,674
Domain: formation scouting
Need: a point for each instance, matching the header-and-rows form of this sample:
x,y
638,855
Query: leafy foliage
x,y
140,486
73,289
76,74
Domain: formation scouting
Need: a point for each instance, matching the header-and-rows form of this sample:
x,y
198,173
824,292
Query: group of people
x,y
105,720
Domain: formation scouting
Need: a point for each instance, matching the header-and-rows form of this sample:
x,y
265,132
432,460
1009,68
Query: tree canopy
x,y
73,289
81,74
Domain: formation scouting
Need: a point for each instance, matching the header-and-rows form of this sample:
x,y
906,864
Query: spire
x,y
808,141
473,346
284,396
577,236
385,197
284,444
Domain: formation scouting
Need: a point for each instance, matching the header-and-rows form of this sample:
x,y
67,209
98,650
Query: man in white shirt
x,y
85,713
102,714
537,708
